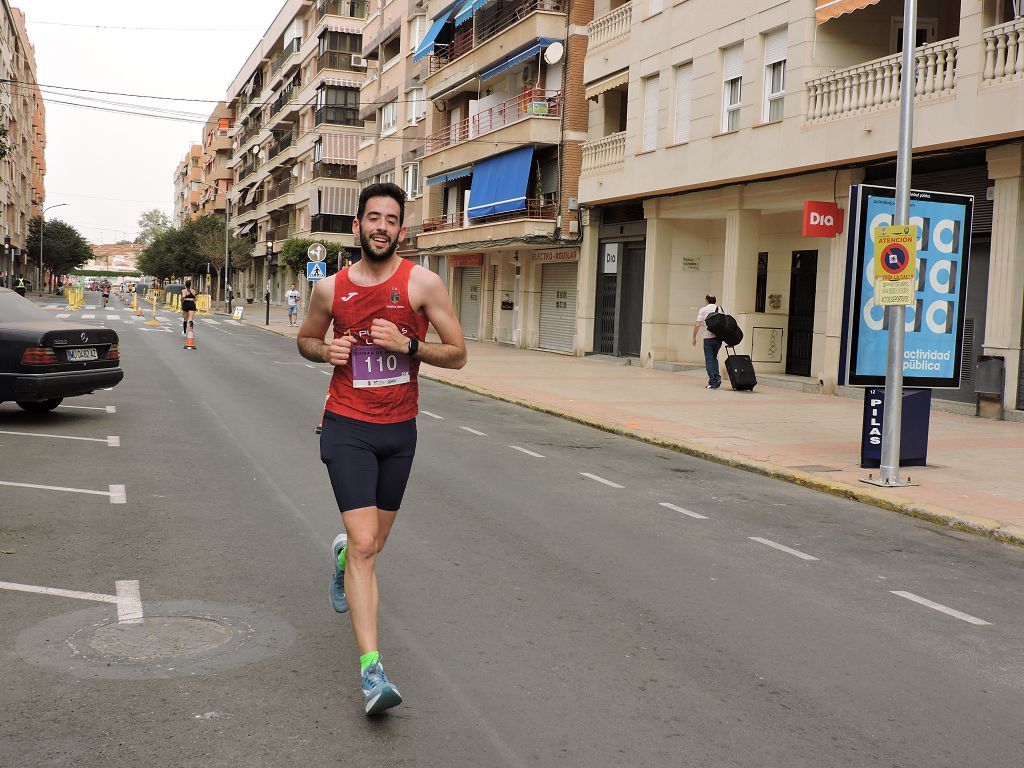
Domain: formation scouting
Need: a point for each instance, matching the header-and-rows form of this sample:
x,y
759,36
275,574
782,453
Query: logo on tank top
x,y
351,294
395,296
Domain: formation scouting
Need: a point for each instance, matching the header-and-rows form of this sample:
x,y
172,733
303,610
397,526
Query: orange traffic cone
x,y
190,339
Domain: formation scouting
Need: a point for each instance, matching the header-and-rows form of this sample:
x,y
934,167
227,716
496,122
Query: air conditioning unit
x,y
358,61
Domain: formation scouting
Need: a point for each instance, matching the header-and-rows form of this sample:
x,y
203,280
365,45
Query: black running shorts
x,y
369,463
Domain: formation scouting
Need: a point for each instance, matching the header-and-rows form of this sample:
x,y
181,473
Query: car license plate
x,y
83,353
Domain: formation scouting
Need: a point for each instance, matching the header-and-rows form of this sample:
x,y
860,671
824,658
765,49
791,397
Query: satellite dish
x,y
295,170
554,53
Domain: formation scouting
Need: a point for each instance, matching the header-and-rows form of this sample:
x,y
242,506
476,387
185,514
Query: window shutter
x,y
650,113
775,46
732,62
684,98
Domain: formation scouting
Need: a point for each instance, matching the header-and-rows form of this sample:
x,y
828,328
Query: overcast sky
x,y
109,167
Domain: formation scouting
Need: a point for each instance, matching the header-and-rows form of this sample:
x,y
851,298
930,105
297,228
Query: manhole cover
x,y
161,637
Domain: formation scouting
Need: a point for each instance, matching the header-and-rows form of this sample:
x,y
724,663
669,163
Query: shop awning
x,y
339,148
499,183
427,44
606,84
518,58
834,8
465,13
441,178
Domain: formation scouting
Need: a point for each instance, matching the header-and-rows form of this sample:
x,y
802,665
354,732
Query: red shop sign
x,y
821,219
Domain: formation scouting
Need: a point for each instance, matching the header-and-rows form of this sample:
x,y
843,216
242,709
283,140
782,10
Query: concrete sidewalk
x,y
974,481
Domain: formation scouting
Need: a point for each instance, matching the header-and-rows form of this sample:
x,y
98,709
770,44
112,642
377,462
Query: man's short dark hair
x,y
711,299
387,189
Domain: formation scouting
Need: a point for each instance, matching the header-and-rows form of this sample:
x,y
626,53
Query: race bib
x,y
374,366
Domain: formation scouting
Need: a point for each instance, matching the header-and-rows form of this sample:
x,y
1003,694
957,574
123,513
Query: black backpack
x,y
724,327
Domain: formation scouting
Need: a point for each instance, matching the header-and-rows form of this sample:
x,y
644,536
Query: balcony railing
x,y
610,28
876,84
287,95
1004,51
604,154
283,142
354,9
332,171
331,223
536,208
338,60
533,102
277,190
282,57
470,36
337,116
280,232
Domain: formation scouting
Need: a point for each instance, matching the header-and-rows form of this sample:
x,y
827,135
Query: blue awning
x,y
441,178
499,183
427,44
465,13
518,58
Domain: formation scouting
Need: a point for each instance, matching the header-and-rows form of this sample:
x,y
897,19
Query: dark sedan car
x,y
43,360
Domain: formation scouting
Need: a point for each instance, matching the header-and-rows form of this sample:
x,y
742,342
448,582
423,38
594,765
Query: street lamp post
x,y
270,256
42,226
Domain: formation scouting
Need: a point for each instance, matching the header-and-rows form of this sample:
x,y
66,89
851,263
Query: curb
x,y
981,526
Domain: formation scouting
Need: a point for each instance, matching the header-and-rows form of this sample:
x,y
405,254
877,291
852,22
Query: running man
x,y
379,308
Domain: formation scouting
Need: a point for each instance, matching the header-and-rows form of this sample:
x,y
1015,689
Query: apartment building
x,y
393,106
215,171
23,170
501,163
187,188
296,136
712,124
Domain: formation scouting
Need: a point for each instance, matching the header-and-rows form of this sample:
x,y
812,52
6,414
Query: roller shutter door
x,y
558,306
469,301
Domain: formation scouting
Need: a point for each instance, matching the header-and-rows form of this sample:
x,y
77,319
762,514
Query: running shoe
x,y
378,693
338,599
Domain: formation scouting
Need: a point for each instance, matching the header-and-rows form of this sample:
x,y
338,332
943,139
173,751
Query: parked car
x,y
44,360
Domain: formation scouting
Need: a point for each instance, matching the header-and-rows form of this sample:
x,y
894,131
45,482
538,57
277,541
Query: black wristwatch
x,y
414,344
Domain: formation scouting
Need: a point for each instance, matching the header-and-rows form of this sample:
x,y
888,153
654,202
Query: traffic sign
x,y
896,252
317,252
315,270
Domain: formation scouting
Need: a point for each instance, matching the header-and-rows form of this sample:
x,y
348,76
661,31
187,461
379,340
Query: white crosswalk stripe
x,y
232,322
89,317
210,321
63,316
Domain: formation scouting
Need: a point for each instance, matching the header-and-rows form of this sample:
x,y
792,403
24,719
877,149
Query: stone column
x,y
657,279
1006,264
739,272
586,283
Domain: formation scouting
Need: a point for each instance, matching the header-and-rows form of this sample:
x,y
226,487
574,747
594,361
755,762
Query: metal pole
x,y
42,227
892,415
227,247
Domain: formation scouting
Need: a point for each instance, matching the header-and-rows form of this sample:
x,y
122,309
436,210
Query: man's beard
x,y
368,252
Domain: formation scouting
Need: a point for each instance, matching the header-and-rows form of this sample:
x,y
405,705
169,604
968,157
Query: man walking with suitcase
x,y
712,344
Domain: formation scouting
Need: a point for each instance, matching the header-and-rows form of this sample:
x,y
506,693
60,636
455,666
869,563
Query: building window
x,y
761,291
684,99
732,88
774,75
416,106
390,51
388,177
411,180
417,29
650,135
655,6
389,118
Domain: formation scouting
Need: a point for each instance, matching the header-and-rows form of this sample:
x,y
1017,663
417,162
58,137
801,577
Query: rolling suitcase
x,y
740,370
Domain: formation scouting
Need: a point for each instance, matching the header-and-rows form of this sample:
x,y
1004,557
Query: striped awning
x,y
441,178
251,194
834,8
606,84
339,148
333,201
337,26
342,82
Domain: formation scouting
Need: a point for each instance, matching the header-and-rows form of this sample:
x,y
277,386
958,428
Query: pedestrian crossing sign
x,y
315,270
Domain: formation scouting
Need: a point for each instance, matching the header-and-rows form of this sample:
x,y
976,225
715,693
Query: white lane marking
x,y
783,548
327,373
63,316
107,408
128,598
431,415
66,437
687,512
310,365
601,480
113,441
474,431
89,317
115,494
209,321
943,609
527,452
89,306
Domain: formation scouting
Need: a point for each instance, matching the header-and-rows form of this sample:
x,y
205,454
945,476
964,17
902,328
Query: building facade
x,y
23,169
187,187
215,162
710,126
296,137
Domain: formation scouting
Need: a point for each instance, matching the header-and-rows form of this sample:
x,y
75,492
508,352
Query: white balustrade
x,y
610,28
604,154
876,84
1004,51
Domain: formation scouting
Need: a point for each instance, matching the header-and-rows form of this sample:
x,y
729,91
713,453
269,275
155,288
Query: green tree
x,y
208,236
171,253
152,223
64,248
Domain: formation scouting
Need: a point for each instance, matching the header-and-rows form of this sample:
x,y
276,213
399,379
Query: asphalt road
x,y
552,595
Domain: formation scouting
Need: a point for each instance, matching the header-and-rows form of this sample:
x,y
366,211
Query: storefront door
x,y
802,283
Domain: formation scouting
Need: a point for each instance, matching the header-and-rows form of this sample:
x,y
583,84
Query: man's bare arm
x,y
437,305
318,319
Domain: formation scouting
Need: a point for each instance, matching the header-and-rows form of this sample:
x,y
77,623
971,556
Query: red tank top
x,y
376,385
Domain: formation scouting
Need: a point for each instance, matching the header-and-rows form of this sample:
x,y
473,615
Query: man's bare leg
x,y
368,529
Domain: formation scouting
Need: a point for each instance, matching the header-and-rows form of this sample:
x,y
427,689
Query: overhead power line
x,y
146,29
